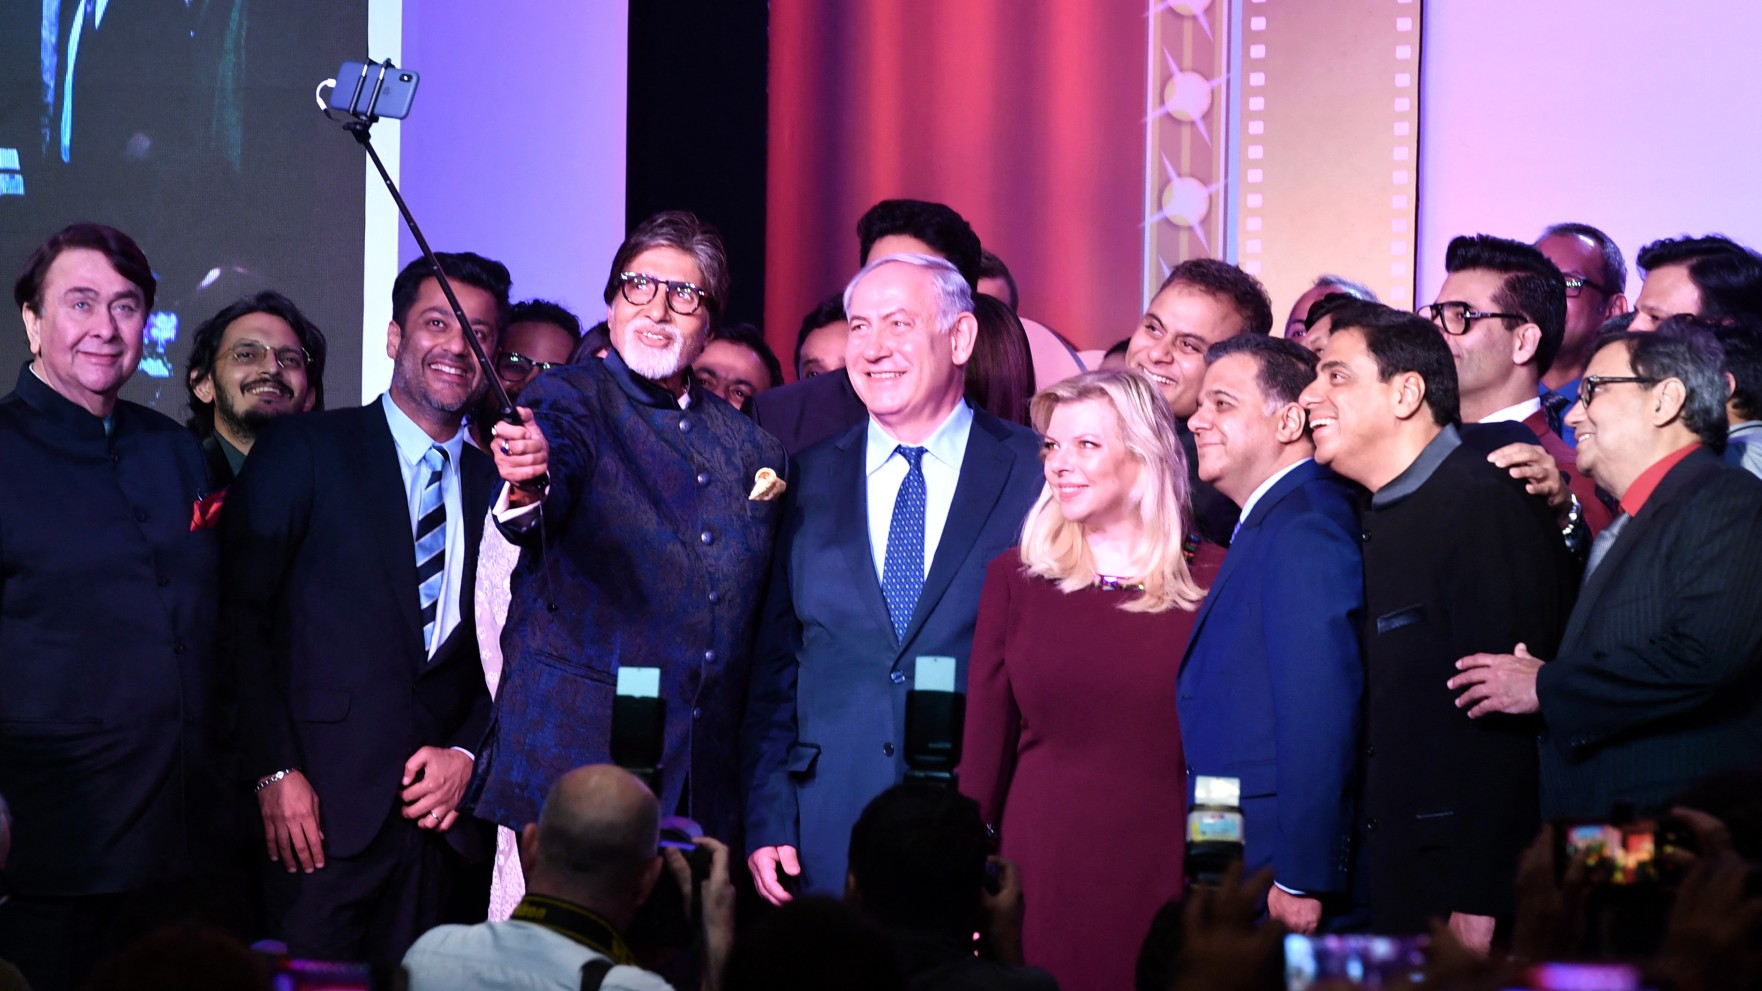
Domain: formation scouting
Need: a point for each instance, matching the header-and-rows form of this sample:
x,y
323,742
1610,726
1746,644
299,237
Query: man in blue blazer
x,y
880,561
1273,680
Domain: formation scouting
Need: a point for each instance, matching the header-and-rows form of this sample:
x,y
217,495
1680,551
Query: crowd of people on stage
x,y
1429,586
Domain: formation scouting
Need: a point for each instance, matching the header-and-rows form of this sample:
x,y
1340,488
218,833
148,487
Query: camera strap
x,y
576,923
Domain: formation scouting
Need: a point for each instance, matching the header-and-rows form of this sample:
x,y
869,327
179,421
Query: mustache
x,y
281,385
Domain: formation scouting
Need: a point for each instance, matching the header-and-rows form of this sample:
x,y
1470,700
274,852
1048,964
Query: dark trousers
x,y
370,907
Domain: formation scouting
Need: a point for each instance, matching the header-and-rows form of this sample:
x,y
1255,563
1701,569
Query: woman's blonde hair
x,y
1057,549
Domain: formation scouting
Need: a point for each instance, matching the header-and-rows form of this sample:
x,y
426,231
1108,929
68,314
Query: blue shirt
x,y
413,443
885,470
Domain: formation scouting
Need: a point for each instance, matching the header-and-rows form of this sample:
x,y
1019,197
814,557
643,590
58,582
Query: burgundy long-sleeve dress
x,y
1073,751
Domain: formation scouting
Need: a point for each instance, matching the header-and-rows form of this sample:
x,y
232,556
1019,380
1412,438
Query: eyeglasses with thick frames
x,y
1590,385
516,365
1576,284
288,359
683,298
1454,317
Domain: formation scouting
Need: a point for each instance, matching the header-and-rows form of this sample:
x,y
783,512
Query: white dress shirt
x,y
944,450
413,443
1518,413
1272,480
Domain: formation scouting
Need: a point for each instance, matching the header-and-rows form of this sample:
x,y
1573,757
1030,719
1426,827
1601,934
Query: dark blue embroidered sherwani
x,y
650,554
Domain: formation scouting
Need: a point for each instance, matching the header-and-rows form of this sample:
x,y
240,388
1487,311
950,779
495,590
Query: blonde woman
x,y
1072,746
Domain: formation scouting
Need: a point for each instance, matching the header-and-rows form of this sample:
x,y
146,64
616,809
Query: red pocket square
x,y
207,511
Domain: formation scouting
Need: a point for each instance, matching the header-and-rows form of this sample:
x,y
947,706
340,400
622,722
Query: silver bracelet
x,y
273,778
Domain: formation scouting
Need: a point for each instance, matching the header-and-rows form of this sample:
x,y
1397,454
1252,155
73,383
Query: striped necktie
x,y
902,575
431,541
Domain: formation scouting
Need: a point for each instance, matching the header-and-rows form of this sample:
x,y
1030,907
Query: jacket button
x,y
707,537
115,458
550,607
140,516
684,425
710,656
887,750
897,677
1365,536
714,598
697,713
164,580
703,478
1370,825
177,647
1370,750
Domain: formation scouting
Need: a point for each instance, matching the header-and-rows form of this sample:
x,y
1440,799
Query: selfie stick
x,y
361,119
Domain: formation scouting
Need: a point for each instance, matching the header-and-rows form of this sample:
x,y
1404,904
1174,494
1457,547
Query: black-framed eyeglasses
x,y
288,359
683,298
1454,317
1590,385
1576,284
516,365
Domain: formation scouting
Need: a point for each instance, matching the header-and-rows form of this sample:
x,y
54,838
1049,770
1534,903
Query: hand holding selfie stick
x,y
359,117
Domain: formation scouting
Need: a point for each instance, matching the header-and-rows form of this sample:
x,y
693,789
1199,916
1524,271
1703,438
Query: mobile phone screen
x,y
1365,961
1613,854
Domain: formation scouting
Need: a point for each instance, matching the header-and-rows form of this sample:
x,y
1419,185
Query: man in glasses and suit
x,y
644,507
258,359
1658,679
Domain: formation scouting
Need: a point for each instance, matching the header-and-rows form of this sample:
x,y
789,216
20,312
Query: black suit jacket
x,y
804,413
1467,563
109,709
322,621
1659,677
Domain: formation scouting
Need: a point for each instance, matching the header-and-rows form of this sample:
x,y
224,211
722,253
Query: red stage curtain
x,y
1026,116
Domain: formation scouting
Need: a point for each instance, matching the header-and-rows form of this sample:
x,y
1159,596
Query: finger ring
x,y
435,816
505,450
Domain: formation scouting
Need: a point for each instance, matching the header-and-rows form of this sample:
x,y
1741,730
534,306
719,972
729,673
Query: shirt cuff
x,y
519,517
467,753
1287,889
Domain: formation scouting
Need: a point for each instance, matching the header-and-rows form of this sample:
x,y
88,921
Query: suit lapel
x,y
386,508
985,467
850,522
1243,542
1680,481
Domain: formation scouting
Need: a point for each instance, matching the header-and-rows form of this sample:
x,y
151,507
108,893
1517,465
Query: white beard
x,y
655,364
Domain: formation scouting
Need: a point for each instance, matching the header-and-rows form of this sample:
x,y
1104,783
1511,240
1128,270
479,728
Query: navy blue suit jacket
x,y
1272,685
826,705
652,553
322,618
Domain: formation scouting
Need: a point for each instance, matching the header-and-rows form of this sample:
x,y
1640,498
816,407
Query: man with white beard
x,y
645,508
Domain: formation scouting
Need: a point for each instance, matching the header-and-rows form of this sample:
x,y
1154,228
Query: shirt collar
x,y
1272,480
1416,474
1640,492
946,443
42,397
1567,390
412,441
1518,413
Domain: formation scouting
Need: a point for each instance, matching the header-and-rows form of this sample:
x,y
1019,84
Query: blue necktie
x,y
431,541
902,576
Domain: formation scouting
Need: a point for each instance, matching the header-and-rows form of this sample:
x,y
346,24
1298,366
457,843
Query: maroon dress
x,y
1073,751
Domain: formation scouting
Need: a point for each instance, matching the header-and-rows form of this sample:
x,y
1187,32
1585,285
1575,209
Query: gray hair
x,y
953,295
1684,348
1614,274
1339,283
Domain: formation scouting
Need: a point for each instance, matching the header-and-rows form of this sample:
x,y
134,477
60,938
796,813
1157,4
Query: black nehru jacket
x,y
1457,560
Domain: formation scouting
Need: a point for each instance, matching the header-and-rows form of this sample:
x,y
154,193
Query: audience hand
x,y
1550,922
1222,949
521,454
764,863
1474,932
719,902
1003,915
290,823
1537,469
1711,940
1497,683
1299,913
434,784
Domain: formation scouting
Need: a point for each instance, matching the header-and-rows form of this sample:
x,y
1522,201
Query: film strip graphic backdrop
x,y
1284,135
